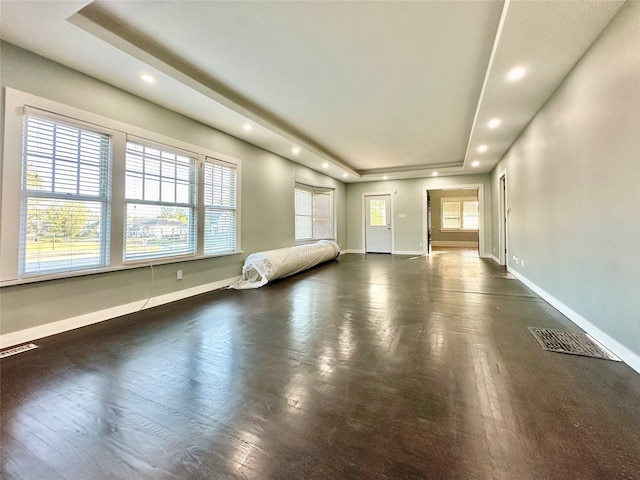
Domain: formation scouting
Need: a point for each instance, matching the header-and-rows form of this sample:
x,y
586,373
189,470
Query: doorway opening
x,y
502,217
454,217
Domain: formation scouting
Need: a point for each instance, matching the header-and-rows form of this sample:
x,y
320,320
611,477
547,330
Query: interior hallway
x,y
372,366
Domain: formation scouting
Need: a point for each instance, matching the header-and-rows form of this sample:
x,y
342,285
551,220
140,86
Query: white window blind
x,y
65,197
460,214
160,217
303,214
323,215
313,213
451,215
220,204
470,215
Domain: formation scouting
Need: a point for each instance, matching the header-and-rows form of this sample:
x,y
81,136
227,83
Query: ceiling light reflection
x,y
516,73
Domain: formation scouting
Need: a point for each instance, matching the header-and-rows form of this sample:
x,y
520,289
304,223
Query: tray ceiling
x,y
369,90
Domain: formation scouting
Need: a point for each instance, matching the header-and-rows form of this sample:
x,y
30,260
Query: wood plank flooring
x,y
369,367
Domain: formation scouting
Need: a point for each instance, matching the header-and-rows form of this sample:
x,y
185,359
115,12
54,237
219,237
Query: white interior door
x,y
378,224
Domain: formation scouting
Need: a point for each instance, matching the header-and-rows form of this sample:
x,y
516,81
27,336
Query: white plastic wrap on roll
x,y
262,267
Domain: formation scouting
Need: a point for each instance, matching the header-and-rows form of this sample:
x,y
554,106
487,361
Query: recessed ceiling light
x,y
295,150
345,175
247,127
434,174
482,148
147,78
516,73
475,163
385,178
495,122
325,165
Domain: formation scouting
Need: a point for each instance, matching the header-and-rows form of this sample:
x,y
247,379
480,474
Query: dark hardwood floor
x,y
371,367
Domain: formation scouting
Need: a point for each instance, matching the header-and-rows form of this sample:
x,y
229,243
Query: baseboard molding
x,y
408,252
494,258
34,333
344,252
454,243
627,356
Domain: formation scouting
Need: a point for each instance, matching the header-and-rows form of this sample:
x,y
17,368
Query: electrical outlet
x,y
179,275
420,243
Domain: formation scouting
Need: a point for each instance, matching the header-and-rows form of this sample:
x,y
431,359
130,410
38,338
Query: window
x,y
82,193
64,222
377,213
160,213
304,214
460,214
220,206
313,213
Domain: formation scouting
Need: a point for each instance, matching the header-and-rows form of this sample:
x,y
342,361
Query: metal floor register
x,y
571,343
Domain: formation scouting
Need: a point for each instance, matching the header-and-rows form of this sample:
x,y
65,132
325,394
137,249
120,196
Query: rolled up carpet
x,y
262,267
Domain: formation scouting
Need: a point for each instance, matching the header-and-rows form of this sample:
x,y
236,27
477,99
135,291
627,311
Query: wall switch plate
x,y
179,275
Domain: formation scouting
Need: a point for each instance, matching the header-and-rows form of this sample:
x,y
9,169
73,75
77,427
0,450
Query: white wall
x,y
574,191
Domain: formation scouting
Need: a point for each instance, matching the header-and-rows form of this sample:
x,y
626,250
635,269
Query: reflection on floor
x,y
370,367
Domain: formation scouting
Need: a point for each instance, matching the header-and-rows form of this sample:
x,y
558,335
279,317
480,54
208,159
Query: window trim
x,y
460,201
16,104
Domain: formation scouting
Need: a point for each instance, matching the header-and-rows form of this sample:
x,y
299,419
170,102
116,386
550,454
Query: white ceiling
x,y
393,88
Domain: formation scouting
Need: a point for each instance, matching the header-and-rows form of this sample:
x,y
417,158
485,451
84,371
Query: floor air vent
x,y
571,343
19,349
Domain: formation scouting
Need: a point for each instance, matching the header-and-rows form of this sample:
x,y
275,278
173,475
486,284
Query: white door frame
x,y
480,189
503,211
364,218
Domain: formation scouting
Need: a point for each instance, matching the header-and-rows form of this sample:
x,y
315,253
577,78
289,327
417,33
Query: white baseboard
x,y
454,243
408,252
395,252
34,333
493,257
627,356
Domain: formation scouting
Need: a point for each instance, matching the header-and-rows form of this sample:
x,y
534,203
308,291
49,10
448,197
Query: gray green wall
x,y
267,200
408,200
573,191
